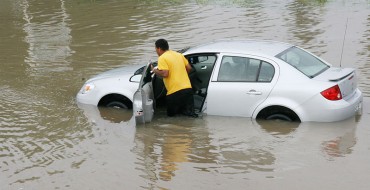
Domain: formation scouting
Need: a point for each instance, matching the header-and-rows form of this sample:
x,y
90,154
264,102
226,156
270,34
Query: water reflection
x,y
278,128
169,149
364,67
105,117
303,22
232,146
165,147
48,36
115,115
341,145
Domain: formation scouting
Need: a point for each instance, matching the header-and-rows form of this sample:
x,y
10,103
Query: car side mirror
x,y
139,71
135,78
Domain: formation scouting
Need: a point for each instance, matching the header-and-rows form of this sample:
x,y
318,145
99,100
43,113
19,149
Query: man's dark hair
x,y
162,44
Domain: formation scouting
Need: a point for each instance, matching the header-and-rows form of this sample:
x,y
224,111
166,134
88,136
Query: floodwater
x,y
49,48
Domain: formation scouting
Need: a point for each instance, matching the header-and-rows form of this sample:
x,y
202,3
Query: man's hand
x,y
151,67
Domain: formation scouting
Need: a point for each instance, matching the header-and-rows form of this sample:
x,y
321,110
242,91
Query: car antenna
x,y
344,38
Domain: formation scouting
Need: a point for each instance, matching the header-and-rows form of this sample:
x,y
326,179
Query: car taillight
x,y
332,93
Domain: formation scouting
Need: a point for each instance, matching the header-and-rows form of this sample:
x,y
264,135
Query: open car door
x,y
143,100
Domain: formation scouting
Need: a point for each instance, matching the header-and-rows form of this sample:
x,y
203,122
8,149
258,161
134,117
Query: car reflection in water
x,y
335,139
216,145
340,145
106,115
110,119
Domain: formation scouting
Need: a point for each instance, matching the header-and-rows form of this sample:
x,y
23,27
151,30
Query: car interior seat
x,y
226,71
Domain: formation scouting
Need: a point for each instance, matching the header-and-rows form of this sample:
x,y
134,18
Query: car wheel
x,y
117,104
115,101
278,116
278,113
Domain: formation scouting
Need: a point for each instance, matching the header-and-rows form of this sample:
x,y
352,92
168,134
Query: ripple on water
x,y
32,134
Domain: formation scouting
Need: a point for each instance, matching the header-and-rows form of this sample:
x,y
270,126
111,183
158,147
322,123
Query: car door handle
x,y
203,67
254,92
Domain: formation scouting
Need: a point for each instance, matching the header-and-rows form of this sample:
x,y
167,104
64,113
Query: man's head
x,y
161,46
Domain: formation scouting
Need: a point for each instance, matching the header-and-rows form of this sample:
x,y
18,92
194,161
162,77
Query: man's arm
x,y
188,67
161,73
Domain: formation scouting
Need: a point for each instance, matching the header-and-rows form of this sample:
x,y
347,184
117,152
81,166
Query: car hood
x,y
118,72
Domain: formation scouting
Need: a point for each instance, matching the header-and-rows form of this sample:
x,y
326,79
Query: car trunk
x,y
344,77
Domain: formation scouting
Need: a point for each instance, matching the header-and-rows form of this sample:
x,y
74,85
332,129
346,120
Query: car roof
x,y
255,47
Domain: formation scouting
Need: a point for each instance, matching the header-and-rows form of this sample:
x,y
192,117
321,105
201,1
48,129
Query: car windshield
x,y
303,61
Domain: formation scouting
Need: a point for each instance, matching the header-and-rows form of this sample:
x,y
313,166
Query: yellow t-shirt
x,y
177,78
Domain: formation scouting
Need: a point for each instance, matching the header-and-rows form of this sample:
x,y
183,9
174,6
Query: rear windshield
x,y
303,61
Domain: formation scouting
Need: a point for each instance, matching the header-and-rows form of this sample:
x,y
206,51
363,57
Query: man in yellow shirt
x,y
174,69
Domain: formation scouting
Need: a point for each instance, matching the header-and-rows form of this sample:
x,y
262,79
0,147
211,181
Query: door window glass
x,y
242,69
202,59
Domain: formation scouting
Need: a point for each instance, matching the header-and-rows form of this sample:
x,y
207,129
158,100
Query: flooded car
x,y
113,88
246,78
260,79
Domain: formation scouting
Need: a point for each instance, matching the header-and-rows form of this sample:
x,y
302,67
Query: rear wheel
x,y
278,113
279,117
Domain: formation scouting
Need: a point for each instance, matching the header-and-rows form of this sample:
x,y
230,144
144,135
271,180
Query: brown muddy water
x,y
49,48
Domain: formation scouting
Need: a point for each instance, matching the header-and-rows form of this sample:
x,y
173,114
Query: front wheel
x,y
117,104
115,101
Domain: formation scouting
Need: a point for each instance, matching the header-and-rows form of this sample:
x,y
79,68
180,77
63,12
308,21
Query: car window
x,y
243,69
303,61
202,65
266,73
148,74
203,59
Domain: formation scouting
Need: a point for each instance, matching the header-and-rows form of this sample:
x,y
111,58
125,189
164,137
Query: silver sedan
x,y
248,78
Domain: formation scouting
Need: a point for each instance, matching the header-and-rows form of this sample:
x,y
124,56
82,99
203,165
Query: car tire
x,y
117,104
279,116
115,101
278,113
